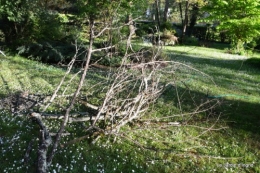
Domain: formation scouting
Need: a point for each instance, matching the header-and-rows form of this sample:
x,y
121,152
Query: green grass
x,y
232,145
21,74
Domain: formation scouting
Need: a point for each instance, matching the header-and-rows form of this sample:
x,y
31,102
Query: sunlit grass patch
x,y
230,73
20,74
8,78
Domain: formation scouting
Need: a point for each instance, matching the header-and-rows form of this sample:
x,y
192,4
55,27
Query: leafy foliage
x,y
49,52
239,18
15,20
27,21
144,28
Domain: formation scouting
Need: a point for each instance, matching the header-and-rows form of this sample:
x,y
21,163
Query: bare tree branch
x,y
76,93
105,48
45,142
70,65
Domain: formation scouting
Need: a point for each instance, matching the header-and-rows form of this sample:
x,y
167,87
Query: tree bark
x,y
185,20
186,17
194,16
44,143
76,93
182,21
131,27
166,9
157,8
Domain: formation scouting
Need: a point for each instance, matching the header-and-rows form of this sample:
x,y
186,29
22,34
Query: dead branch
x,y
63,134
70,82
76,93
2,53
26,157
45,142
70,65
105,48
129,92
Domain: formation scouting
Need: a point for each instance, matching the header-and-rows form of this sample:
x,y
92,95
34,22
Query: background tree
x,y
189,11
240,19
15,19
26,21
166,10
158,11
102,18
195,9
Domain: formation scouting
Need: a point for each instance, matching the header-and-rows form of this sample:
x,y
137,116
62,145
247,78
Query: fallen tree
x,y
128,92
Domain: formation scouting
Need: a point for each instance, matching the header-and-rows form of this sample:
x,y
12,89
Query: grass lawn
x,y
225,138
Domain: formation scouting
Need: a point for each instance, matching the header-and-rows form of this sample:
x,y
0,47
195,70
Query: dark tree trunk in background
x,y
194,17
181,15
8,29
157,8
166,9
15,33
185,19
182,21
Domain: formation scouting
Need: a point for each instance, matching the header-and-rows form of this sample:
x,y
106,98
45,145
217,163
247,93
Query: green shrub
x,y
49,52
145,28
240,48
111,61
169,32
167,26
251,45
191,41
45,22
167,29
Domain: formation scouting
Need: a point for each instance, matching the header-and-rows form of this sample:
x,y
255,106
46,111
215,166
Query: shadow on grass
x,y
242,119
238,114
5,85
239,81
234,75
254,62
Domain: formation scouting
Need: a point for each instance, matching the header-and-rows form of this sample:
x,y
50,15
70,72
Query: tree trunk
x,y
166,9
182,21
44,143
76,93
185,20
131,25
157,8
194,16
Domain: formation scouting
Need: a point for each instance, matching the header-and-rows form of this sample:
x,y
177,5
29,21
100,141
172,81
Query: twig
x,y
2,53
27,152
70,65
76,93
